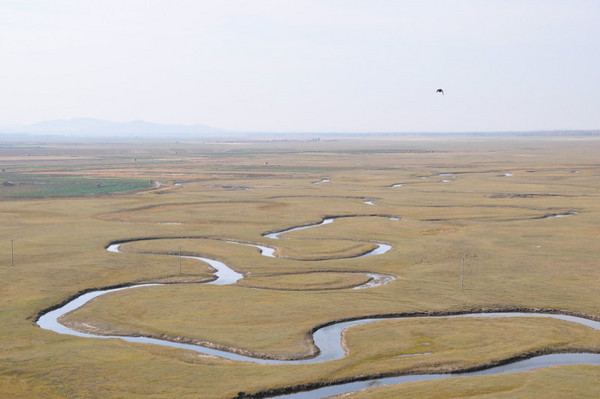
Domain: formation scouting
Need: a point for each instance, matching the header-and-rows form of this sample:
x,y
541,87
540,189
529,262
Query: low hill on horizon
x,y
138,129
91,127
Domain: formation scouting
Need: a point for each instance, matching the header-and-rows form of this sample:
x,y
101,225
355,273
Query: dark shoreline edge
x,y
267,393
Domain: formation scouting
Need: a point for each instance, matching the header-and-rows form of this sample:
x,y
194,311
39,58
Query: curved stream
x,y
276,234
224,275
533,363
330,348
381,248
327,339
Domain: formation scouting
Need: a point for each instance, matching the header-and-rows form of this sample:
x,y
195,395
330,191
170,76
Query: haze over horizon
x,y
305,66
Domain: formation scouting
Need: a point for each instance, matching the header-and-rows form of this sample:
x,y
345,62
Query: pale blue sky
x,y
303,65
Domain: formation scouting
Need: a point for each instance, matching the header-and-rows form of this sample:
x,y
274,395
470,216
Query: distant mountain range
x,y
89,127
98,128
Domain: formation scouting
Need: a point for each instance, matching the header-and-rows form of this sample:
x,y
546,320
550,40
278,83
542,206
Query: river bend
x,y
327,339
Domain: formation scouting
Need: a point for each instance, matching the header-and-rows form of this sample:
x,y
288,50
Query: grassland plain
x,y
492,202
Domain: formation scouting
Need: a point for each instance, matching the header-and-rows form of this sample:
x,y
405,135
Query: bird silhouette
x,y
440,91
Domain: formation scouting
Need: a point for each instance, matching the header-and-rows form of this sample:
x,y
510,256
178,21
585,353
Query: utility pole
x,y
462,274
12,253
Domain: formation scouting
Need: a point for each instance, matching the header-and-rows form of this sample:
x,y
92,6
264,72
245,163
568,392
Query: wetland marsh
x,y
478,225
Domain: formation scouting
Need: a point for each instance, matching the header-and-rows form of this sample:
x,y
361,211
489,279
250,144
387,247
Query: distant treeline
x,y
302,137
541,133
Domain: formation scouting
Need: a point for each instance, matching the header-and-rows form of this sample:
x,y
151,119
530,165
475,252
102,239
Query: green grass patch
x,y
31,186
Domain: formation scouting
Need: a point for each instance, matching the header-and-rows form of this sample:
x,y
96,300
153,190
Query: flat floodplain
x,y
473,223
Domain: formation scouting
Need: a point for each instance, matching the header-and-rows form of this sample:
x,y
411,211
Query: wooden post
x,y
462,274
179,260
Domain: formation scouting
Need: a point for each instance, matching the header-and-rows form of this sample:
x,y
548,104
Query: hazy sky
x,y
303,65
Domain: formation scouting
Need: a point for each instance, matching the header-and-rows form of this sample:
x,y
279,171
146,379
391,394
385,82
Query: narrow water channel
x,y
327,339
523,365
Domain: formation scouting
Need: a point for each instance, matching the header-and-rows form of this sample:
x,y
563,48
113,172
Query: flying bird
x,y
440,91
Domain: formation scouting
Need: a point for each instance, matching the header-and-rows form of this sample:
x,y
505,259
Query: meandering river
x,y
327,339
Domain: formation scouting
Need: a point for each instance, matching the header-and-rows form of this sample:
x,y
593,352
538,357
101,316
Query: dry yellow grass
x,y
512,258
306,281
